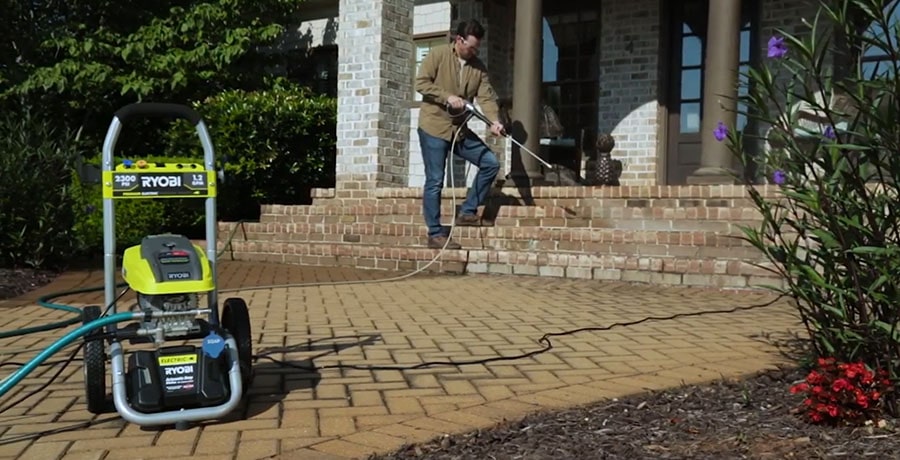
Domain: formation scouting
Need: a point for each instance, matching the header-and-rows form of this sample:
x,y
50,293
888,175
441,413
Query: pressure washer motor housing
x,y
175,376
191,364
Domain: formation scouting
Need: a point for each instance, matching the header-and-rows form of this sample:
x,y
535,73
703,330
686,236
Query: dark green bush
x,y
37,211
278,144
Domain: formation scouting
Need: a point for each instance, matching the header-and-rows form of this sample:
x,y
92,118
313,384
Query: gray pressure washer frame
x,y
116,351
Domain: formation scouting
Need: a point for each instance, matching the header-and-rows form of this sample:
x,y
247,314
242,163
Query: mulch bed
x,y
727,419
746,419
15,282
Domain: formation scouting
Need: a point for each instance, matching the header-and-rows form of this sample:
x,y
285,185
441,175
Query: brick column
x,y
375,53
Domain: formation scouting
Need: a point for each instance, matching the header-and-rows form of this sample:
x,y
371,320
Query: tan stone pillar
x,y
526,106
719,90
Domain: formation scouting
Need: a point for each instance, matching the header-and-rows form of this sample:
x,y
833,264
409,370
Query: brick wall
x,y
628,85
374,84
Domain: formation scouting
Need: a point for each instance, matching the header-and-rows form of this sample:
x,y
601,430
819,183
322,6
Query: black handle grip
x,y
157,109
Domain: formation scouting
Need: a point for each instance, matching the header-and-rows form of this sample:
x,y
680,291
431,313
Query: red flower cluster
x,y
842,392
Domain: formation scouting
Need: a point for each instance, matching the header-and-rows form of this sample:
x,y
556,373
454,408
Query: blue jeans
x,y
434,154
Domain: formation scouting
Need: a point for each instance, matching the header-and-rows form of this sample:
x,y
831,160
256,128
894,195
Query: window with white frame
x,y
423,46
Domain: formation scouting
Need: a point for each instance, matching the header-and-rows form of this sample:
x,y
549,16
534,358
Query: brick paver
x,y
343,413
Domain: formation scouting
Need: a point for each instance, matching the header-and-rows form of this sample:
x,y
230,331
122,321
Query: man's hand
x,y
497,129
456,102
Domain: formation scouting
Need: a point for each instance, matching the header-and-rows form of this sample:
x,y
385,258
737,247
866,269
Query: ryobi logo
x,y
178,275
179,370
160,181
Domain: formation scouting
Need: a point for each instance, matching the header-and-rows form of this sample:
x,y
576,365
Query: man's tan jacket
x,y
442,75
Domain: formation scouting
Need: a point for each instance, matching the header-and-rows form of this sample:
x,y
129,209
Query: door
x,y
687,41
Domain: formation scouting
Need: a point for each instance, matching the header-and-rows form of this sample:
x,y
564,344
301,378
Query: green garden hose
x,y
45,301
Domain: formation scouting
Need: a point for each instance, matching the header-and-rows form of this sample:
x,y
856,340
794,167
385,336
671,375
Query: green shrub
x,y
278,144
36,209
135,218
833,232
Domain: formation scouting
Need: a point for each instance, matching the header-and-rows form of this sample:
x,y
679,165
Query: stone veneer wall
x,y
374,84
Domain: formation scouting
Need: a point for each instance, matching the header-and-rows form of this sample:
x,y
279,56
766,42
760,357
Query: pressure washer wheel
x,y
236,320
94,365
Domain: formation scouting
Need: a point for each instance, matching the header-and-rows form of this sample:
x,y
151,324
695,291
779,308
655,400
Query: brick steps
x,y
537,238
667,235
667,270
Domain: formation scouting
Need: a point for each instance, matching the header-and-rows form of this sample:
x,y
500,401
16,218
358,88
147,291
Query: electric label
x,y
177,360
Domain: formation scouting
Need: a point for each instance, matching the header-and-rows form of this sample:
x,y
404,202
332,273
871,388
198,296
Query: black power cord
x,y
545,340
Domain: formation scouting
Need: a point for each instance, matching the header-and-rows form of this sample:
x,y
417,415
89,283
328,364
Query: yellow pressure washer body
x,y
166,383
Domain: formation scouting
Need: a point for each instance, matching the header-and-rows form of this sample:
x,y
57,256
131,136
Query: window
x,y
571,64
875,62
693,55
424,45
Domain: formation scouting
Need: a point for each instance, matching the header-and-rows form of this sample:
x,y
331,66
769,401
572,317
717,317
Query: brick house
x,y
635,69
648,72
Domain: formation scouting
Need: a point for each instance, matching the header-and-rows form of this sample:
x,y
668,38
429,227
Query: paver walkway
x,y
349,413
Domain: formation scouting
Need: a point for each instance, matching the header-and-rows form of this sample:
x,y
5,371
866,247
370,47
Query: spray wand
x,y
469,107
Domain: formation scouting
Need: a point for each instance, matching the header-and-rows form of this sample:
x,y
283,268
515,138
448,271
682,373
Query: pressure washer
x,y
169,378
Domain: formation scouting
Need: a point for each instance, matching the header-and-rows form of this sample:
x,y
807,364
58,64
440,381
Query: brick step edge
x,y
276,213
706,272
546,246
624,191
414,225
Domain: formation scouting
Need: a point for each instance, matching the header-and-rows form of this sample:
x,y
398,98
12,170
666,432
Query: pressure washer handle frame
x,y
209,184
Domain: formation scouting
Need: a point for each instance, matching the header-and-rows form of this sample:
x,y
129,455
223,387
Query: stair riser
x,y
715,214
656,270
735,252
379,234
540,227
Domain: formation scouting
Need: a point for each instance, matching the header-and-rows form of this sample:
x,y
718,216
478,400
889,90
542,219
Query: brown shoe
x,y
438,242
469,220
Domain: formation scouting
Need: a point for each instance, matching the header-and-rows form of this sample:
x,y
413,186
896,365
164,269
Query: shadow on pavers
x,y
280,371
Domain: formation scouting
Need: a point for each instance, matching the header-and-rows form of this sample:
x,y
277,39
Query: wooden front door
x,y
687,30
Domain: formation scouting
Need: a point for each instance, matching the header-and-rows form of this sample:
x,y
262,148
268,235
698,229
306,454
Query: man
x,y
449,76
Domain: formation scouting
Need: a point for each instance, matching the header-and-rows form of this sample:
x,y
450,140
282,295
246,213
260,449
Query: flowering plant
x,y
847,393
823,125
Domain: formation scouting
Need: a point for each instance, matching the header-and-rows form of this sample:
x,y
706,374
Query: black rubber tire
x,y
236,320
94,366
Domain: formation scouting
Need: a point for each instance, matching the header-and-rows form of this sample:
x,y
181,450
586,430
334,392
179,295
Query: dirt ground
x,y
747,419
